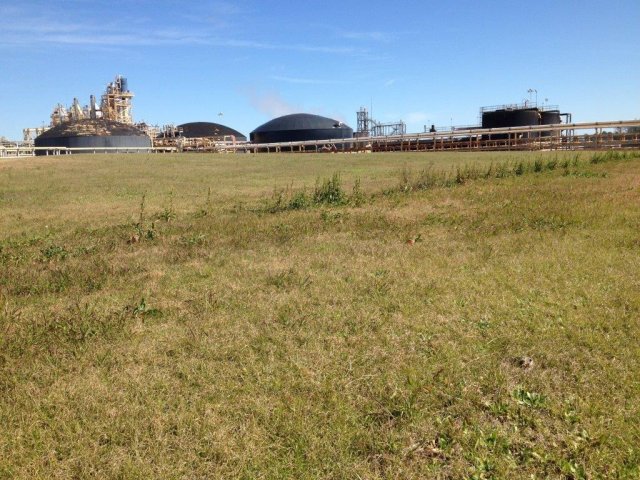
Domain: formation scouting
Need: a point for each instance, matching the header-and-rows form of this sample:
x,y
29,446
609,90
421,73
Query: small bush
x,y
406,182
329,192
490,171
299,201
537,165
326,192
357,195
519,170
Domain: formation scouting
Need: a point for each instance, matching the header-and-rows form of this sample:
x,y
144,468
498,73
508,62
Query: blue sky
x,y
419,61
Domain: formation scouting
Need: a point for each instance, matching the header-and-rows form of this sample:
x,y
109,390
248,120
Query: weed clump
x,y
428,178
141,229
168,213
537,165
328,192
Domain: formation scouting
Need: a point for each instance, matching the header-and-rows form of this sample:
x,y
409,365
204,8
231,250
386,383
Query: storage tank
x,y
516,117
96,134
550,117
210,130
300,127
511,118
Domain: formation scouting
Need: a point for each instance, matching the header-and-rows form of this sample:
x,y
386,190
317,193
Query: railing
x,y
519,106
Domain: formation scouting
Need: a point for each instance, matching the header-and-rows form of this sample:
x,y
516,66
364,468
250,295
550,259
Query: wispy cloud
x,y
227,8
83,36
390,82
368,36
218,15
306,81
416,117
27,29
272,103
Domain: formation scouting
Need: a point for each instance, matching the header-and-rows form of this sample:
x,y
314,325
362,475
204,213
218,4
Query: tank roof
x,y
90,127
208,129
299,121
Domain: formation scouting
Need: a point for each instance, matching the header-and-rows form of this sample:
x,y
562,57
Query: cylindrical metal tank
x,y
511,118
300,127
550,117
94,134
124,86
503,118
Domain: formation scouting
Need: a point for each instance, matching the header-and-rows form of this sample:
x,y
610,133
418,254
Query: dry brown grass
x,y
317,343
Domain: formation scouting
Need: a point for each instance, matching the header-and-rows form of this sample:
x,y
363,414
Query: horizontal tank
x,y
95,134
300,127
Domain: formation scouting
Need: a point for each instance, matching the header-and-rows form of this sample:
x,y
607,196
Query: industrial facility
x,y
96,128
108,126
524,115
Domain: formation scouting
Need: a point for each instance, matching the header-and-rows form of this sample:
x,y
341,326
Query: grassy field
x,y
235,316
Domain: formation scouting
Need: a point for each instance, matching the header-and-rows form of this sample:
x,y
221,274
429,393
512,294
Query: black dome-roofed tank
x,y
300,127
210,130
94,134
550,117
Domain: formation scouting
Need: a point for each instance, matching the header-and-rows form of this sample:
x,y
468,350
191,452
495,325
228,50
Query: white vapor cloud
x,y
272,104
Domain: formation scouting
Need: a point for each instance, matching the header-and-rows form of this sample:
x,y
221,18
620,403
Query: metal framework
x,y
115,105
116,101
518,106
368,127
572,136
362,116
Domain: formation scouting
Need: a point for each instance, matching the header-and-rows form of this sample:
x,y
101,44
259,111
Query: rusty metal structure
x,y
620,134
368,127
115,105
116,102
197,137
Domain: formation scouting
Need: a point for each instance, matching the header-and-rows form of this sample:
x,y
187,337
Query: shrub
x,y
329,192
